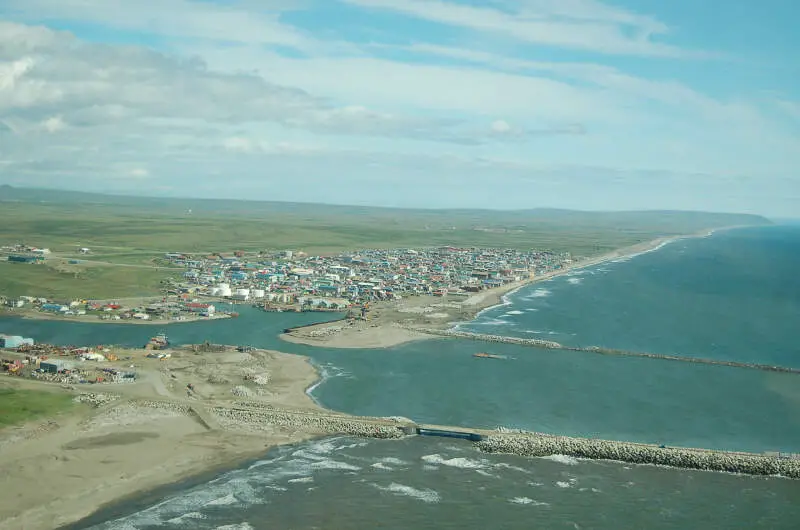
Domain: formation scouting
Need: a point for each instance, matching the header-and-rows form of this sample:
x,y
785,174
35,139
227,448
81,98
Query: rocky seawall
x,y
539,343
546,445
265,419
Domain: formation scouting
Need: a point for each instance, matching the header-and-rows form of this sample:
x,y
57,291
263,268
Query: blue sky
x,y
634,104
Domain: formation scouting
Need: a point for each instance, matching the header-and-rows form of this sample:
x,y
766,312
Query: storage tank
x,y
214,291
243,292
224,291
258,293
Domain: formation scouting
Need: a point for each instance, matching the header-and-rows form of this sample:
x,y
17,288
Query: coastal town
x,y
293,280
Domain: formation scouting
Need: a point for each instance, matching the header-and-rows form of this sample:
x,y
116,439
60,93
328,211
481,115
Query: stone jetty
x,y
262,418
539,343
255,417
547,344
535,444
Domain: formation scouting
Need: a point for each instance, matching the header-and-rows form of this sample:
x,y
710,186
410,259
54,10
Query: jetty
x,y
523,443
551,345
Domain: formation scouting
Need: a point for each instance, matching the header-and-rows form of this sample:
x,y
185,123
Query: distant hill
x,y
647,220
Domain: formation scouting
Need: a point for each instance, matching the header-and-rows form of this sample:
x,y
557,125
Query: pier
x,y
550,345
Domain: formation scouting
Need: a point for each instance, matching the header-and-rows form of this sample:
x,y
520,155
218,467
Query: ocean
x,y
734,295
345,483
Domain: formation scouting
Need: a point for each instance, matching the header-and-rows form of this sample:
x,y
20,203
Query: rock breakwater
x,y
539,343
545,445
551,345
264,419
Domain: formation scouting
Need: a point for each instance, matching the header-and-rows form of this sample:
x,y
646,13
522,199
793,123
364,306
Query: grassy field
x,y
135,231
18,406
63,283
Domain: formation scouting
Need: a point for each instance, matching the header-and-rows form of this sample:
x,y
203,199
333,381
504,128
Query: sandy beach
x,y
57,471
389,322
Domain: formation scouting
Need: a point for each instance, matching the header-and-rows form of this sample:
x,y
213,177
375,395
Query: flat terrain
x,y
22,405
127,235
57,280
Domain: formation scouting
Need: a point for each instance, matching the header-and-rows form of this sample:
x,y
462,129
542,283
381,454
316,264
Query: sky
x,y
624,105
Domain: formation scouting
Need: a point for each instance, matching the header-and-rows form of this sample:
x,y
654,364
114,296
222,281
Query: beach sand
x,y
59,471
389,322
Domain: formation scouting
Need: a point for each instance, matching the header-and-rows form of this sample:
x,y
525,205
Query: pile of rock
x,y
314,423
539,343
545,445
324,332
95,399
162,405
241,391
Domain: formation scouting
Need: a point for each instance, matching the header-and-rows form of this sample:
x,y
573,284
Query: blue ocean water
x,y
734,295
345,483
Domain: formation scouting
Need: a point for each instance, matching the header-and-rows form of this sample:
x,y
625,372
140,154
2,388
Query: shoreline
x,y
28,314
396,328
150,435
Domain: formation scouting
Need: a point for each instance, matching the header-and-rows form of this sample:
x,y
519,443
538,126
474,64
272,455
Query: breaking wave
x,y
562,459
460,462
427,495
527,500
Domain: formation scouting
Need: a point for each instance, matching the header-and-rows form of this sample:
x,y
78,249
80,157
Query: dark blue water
x,y
735,296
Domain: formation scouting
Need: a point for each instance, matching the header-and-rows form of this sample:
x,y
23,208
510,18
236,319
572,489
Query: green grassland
x,y
135,231
60,283
18,405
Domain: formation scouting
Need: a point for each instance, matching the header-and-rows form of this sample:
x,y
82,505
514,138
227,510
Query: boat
x,y
158,342
483,355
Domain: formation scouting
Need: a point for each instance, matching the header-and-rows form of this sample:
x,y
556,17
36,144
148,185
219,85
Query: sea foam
x,y
562,459
527,500
460,462
427,495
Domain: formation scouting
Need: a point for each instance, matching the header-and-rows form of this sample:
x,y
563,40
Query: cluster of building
x,y
24,253
359,277
179,308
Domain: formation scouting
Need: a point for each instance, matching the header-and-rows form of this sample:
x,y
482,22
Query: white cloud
x,y
579,24
237,144
182,18
92,85
139,173
500,126
53,124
